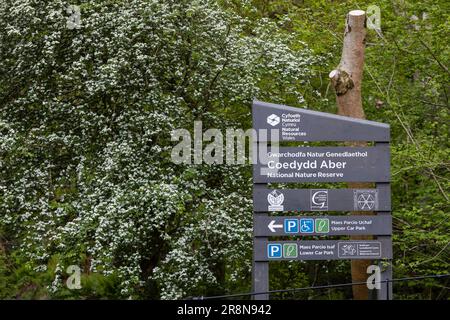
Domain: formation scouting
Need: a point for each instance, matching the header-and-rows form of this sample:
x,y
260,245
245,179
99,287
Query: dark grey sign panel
x,y
323,250
297,124
323,164
265,200
264,226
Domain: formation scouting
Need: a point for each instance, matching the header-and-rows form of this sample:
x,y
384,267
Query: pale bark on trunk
x,y
346,80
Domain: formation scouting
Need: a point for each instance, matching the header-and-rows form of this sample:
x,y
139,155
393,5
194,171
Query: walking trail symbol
x,y
318,164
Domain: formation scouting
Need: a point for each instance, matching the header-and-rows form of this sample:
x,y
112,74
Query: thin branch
x,y
434,56
433,104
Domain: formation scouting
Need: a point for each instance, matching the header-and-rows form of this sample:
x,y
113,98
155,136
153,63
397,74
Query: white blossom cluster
x,y
85,122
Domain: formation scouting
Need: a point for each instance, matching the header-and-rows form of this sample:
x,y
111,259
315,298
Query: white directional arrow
x,y
272,226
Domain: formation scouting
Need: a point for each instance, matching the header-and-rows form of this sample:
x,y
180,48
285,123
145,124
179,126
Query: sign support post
x,y
386,287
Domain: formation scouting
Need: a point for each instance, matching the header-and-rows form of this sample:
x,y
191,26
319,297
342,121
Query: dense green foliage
x,y
85,119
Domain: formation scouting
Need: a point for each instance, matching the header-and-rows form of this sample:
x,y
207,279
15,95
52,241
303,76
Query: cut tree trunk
x,y
346,80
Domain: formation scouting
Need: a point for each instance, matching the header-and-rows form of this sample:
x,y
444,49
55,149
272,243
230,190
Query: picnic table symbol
x,y
348,250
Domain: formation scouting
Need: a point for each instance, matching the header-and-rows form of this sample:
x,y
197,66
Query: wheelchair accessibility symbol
x,y
307,225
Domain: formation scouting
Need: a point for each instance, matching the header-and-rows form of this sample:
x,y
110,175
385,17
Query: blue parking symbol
x,y
274,251
291,226
307,225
